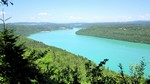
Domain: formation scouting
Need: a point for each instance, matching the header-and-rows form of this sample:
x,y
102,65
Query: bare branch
x,y
1,19
8,18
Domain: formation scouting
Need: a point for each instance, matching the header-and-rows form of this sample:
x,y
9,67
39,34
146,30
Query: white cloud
x,y
145,16
112,19
43,14
42,17
75,18
32,18
124,18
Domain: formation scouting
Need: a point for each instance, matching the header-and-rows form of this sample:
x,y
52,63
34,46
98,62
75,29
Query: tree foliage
x,y
133,32
14,67
6,2
48,65
26,29
36,62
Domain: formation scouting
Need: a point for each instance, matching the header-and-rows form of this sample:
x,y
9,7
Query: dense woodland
x,y
129,31
29,61
25,61
26,29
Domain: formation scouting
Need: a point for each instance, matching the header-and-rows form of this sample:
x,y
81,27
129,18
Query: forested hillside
x,y
131,31
58,64
31,28
63,67
52,65
25,61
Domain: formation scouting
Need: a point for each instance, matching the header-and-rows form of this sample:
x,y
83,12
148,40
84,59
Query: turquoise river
x,y
97,49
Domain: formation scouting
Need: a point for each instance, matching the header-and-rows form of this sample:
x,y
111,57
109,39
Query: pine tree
x,y
14,67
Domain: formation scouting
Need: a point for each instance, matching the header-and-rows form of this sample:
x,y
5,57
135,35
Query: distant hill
x,y
135,31
27,28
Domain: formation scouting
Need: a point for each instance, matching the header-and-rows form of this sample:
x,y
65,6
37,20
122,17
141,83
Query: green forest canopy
x,y
60,66
56,65
131,31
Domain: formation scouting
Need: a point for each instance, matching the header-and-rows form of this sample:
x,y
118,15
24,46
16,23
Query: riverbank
x,y
132,32
97,49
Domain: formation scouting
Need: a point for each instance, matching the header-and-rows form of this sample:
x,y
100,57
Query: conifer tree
x,y
14,67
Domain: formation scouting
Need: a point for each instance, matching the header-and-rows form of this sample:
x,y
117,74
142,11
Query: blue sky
x,y
68,11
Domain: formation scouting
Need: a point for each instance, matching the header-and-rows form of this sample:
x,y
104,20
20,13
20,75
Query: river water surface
x,y
97,49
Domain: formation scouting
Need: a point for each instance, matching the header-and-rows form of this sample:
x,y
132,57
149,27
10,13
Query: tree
x,y
137,72
76,74
122,74
97,74
6,2
14,67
